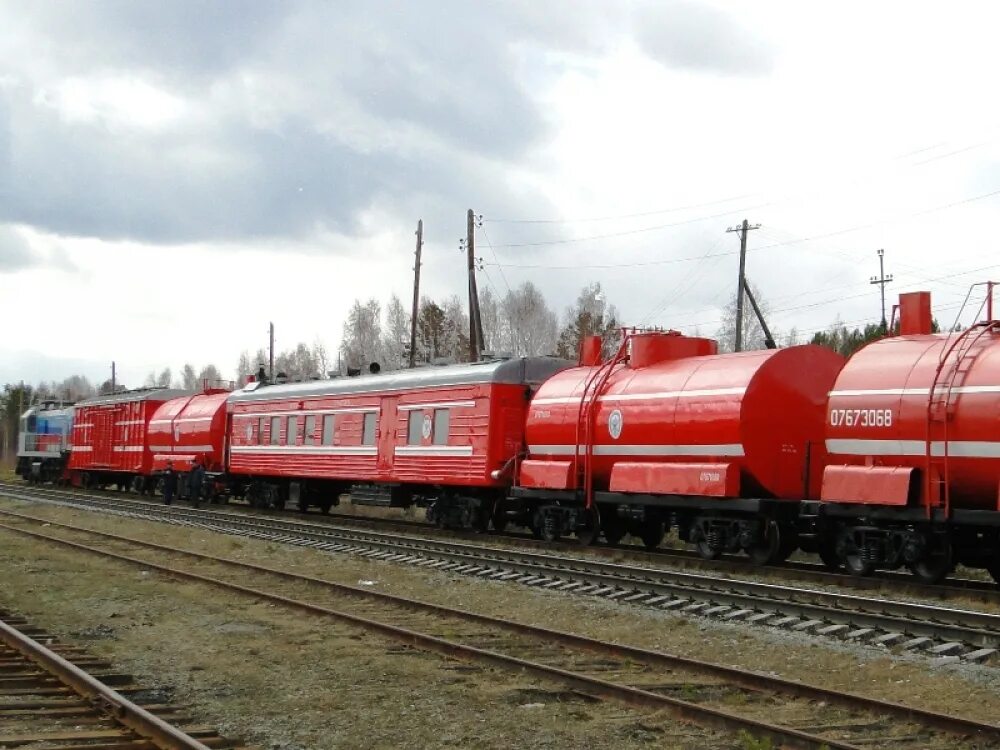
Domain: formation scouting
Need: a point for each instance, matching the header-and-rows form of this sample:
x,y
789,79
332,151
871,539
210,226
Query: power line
x,y
637,264
486,236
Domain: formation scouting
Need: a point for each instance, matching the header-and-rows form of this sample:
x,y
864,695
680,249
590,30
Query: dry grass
x,y
287,681
298,658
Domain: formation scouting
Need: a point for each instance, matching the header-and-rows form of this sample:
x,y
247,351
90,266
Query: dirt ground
x,y
286,681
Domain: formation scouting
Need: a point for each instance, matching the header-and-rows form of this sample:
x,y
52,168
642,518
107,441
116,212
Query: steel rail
x,y
979,629
103,698
744,678
954,588
685,710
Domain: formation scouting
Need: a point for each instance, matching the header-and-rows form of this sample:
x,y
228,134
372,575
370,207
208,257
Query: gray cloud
x,y
15,254
695,36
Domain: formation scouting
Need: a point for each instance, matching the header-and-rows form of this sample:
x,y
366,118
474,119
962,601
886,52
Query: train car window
x,y
293,431
368,433
310,437
442,423
328,429
414,427
260,430
275,430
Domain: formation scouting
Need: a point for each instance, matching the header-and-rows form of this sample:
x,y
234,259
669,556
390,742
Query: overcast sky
x,y
173,175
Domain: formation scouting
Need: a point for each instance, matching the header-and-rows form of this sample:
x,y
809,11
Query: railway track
x,y
48,700
717,697
897,583
920,627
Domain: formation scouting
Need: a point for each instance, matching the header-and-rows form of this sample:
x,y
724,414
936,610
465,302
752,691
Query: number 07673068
x,y
861,418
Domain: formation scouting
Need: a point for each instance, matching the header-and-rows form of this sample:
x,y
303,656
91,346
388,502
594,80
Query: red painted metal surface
x,y
868,485
546,475
187,428
883,411
452,426
763,412
109,432
702,479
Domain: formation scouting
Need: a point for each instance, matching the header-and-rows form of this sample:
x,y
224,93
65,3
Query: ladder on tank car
x,y
954,364
585,427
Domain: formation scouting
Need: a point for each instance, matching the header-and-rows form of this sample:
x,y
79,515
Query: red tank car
x,y
445,437
679,433
109,443
189,428
915,450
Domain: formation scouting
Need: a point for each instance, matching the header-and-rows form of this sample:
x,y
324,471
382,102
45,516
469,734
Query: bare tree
x,y
189,378
395,335
591,315
244,369
531,328
455,344
753,333
362,340
494,338
210,375
323,362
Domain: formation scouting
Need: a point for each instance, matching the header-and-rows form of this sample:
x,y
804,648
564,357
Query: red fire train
x,y
890,458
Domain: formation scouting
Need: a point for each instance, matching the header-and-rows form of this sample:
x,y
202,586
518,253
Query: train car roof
x,y
141,394
520,370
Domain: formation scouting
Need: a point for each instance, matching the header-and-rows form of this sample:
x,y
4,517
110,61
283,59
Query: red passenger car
x,y
445,437
109,443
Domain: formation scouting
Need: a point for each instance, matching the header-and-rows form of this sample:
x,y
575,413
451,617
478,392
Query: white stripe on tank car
x,y
322,450
961,389
128,449
180,448
181,420
126,422
658,396
956,448
729,449
82,448
433,450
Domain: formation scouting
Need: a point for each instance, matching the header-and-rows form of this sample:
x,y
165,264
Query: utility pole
x,y
416,294
475,321
743,229
270,352
882,280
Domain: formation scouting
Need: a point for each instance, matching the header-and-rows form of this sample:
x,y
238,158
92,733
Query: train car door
x,y
103,436
386,436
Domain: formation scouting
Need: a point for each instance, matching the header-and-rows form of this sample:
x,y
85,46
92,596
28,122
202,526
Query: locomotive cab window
x,y
275,430
441,426
310,436
368,432
415,427
262,423
293,431
328,429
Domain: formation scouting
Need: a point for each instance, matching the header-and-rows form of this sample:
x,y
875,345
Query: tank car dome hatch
x,y
651,347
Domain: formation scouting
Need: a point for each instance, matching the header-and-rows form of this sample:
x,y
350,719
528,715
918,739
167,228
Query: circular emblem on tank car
x,y
615,422
425,428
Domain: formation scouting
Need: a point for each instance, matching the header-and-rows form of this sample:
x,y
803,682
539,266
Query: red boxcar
x,y
190,427
109,443
444,436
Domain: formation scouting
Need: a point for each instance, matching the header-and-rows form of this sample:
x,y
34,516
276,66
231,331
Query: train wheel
x,y
706,550
768,549
138,485
614,529
937,565
852,557
652,534
827,552
592,530
498,518
544,527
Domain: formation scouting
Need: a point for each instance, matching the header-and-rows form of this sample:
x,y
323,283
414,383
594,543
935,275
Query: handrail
x,y
588,477
981,329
